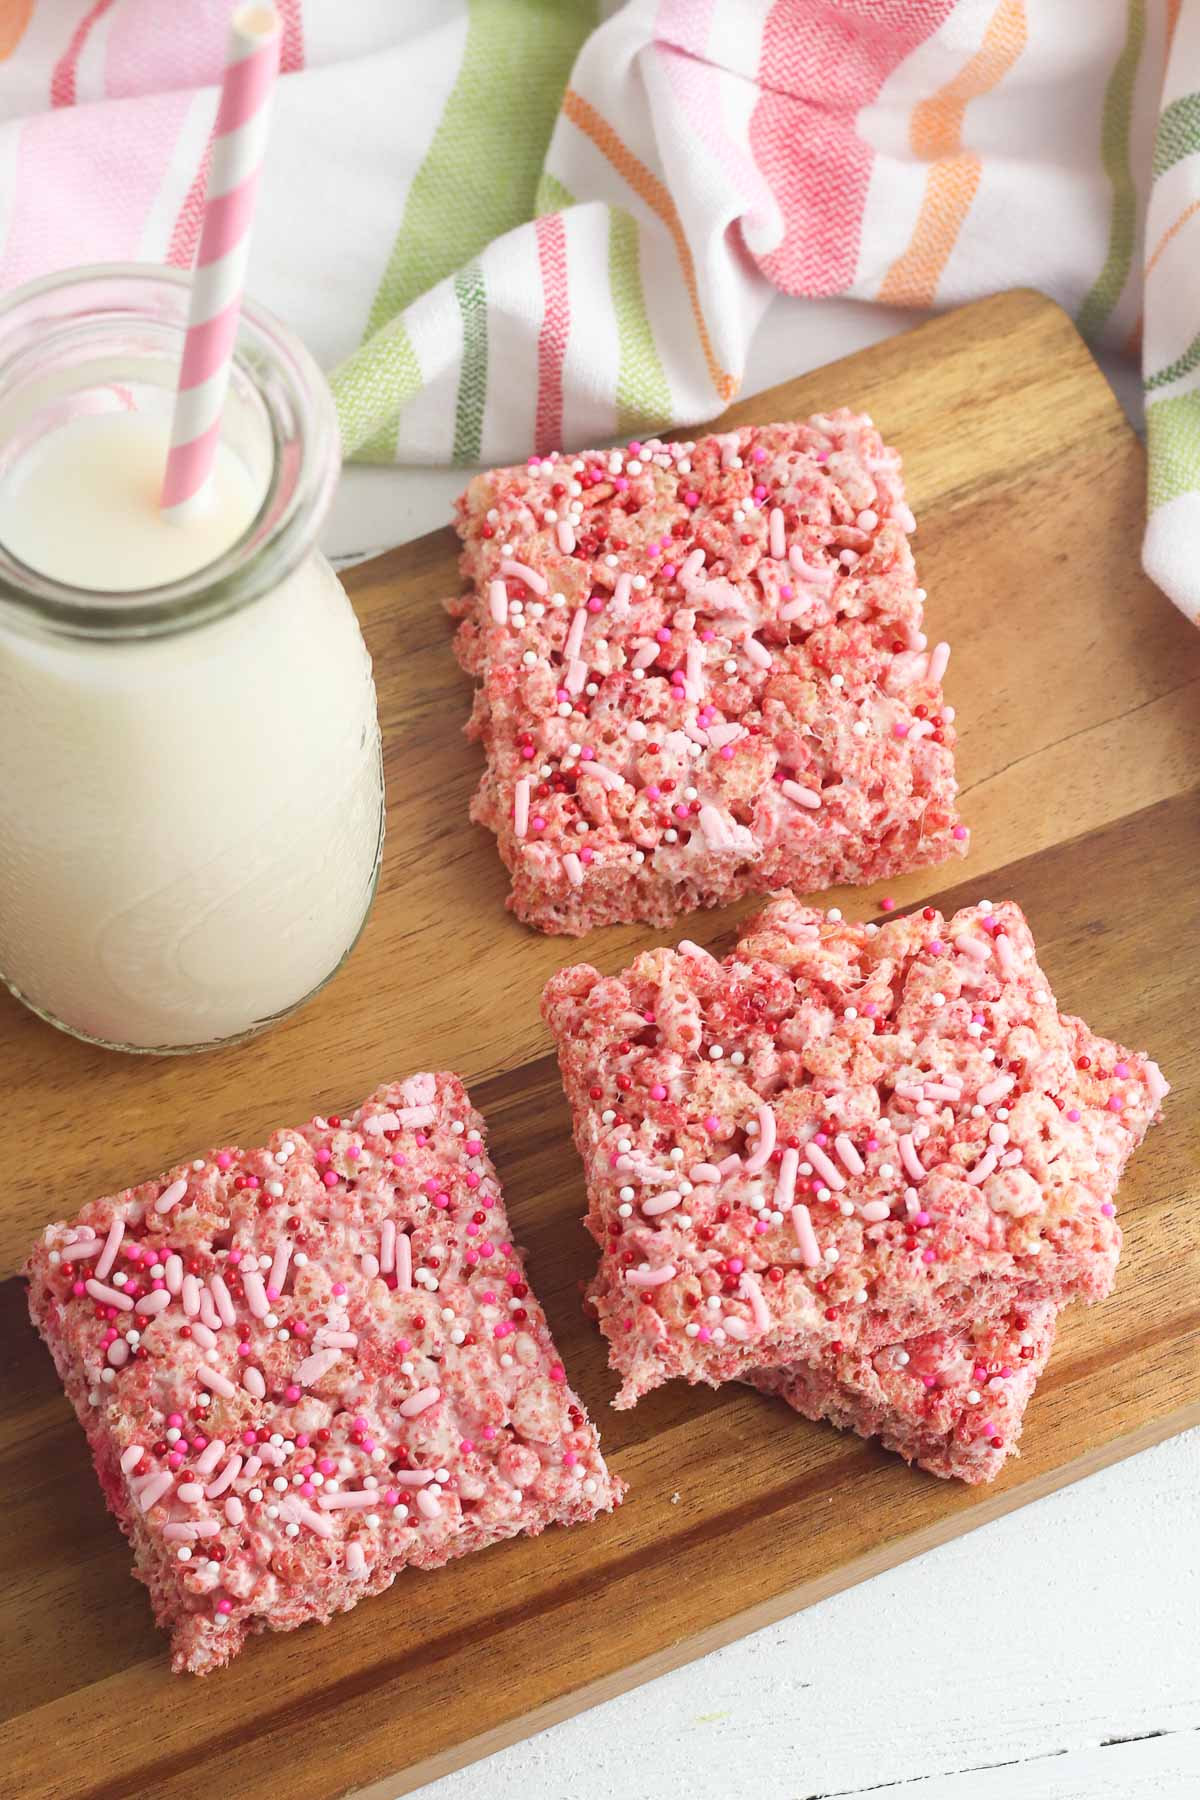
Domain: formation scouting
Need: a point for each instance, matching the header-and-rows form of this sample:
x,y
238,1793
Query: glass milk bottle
x,y
191,794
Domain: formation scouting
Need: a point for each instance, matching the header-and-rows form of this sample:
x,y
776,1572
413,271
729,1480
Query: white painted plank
x,y
1040,1636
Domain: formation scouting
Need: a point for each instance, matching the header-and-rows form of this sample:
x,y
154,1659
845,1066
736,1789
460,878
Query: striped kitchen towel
x,y
506,225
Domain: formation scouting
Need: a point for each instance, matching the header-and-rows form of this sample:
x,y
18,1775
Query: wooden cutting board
x,y
1078,694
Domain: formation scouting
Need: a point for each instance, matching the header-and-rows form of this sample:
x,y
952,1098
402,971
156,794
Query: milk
x,y
189,824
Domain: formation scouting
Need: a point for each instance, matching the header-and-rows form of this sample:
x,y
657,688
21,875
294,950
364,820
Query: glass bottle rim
x,y
297,406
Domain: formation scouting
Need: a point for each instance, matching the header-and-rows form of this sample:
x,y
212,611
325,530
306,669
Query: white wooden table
x,y
1052,1655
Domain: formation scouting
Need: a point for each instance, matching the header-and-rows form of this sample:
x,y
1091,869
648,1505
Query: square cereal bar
x,y
702,673
303,1367
952,1401
842,1134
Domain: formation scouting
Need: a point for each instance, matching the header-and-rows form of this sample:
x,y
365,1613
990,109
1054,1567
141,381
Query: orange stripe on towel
x,y
649,188
936,137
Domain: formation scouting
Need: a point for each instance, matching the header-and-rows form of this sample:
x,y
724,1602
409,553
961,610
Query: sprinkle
x,y
521,806
908,1156
153,1489
785,1186
983,1168
317,1365
403,1262
848,1155
79,1252
661,1203
765,1146
110,1296
498,602
574,869
824,1166
806,1238
213,1378
939,657
646,1277
751,1291
1004,953
995,1090
802,796
420,1402
171,1196
223,1300
112,1242
520,571
256,1293
156,1301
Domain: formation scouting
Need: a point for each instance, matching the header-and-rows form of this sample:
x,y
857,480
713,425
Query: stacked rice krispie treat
x,y
702,673
305,1367
859,1166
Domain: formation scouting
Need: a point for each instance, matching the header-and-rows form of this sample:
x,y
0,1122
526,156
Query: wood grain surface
x,y
1078,695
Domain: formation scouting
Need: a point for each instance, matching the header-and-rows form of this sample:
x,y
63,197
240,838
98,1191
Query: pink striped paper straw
x,y
239,140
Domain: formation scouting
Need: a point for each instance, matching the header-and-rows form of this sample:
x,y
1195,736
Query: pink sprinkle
x,y
1121,1069
668,570
538,823
959,832
922,1218
471,1256
558,1373
224,1606
691,498
758,456
928,1256
662,635
761,1225
726,753
1108,1209
489,1432
821,1138
936,947
899,730
329,1178
339,1287
467,1446
595,604
658,1091
1115,1103
872,1143
712,1122
323,1156
399,1159
704,1335
1073,1115
292,1392
472,1179
223,1159
473,1146
887,905
250,1437
786,591
175,1420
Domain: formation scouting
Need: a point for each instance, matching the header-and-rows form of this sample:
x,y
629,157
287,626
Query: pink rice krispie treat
x,y
304,1367
843,1134
951,1401
702,673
